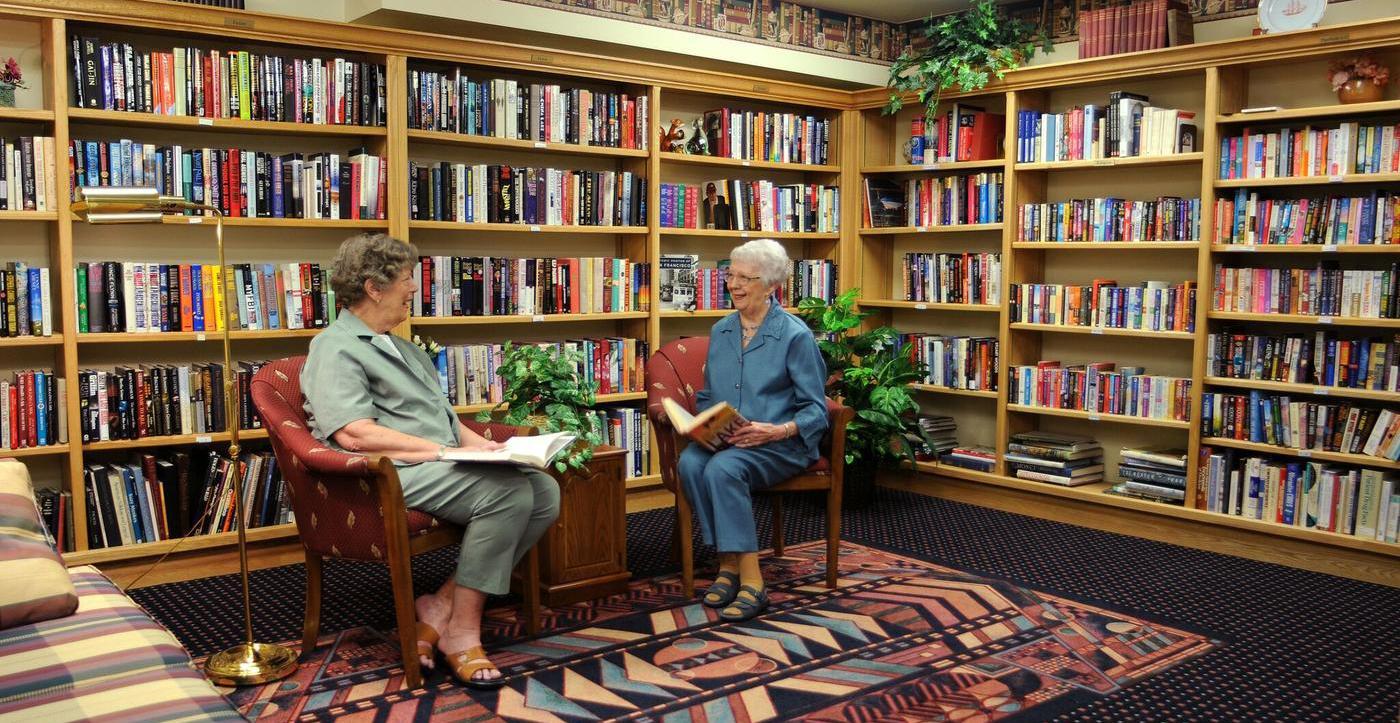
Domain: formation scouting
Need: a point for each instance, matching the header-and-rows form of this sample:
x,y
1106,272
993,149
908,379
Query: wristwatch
x,y
442,450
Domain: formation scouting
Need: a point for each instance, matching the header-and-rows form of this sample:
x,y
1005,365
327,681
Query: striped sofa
x,y
107,661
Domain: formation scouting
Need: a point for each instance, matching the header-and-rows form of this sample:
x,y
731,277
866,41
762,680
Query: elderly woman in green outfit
x,y
371,392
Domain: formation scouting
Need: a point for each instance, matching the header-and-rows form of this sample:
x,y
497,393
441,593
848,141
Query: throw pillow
x,y
37,586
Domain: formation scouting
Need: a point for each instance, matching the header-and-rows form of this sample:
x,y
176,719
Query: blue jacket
x,y
779,378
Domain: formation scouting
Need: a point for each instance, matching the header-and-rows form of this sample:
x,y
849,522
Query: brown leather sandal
x,y
427,635
468,663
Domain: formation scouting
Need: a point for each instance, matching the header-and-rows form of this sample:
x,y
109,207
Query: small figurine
x,y
698,145
673,140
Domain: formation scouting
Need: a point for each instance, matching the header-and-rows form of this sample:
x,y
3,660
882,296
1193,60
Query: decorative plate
x,y
1276,16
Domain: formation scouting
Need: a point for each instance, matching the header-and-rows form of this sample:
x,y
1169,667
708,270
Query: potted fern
x,y
543,389
964,51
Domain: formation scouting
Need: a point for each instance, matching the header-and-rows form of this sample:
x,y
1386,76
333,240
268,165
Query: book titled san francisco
x,y
707,428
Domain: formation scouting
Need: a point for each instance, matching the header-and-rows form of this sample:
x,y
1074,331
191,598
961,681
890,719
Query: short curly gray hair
x,y
768,255
375,257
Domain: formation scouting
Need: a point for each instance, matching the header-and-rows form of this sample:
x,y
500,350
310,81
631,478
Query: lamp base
x,y
250,664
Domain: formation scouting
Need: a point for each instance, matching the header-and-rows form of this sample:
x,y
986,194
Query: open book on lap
x,y
707,428
535,451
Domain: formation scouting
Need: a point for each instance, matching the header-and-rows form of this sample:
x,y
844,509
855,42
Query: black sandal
x,y
747,609
726,585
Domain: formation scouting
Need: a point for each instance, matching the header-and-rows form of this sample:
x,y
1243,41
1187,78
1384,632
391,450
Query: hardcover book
x,y
707,428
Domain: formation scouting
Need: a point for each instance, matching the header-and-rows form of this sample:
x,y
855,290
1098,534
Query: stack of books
x,y
1152,474
1063,459
941,433
971,456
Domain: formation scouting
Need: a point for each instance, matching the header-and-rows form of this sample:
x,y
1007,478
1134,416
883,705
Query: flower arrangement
x,y
1361,67
427,344
11,74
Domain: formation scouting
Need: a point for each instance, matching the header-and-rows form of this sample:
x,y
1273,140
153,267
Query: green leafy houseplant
x,y
543,389
964,51
870,374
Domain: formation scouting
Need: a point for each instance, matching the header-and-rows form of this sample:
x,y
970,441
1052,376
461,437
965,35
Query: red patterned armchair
x,y
351,506
676,371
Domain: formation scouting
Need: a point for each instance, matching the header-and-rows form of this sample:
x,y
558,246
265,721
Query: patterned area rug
x,y
901,639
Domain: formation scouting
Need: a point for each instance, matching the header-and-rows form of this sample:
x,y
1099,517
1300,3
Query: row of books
x,y
629,429
739,205
1153,474
961,133
156,498
544,112
1319,358
1128,28
190,81
1364,503
1351,147
1287,421
240,182
1168,218
956,362
152,400
682,285
129,296
1126,127
56,512
767,136
1062,459
952,278
1324,290
493,286
483,193
1246,218
933,201
469,373
1148,306
27,174
1100,387
26,300
33,409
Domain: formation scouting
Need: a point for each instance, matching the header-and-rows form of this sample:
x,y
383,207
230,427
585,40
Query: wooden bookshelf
x,y
951,228
995,164
28,215
26,115
1175,159
1306,248
15,342
514,144
524,228
163,337
1311,389
602,399
525,318
107,118
939,389
1100,416
173,440
718,162
1359,460
716,233
1106,245
1345,178
44,451
929,306
1317,112
1104,331
1305,319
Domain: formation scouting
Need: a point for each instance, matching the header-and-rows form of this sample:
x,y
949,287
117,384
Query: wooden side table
x,y
583,556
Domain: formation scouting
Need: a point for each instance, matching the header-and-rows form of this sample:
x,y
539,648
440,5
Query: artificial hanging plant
x,y
964,51
543,388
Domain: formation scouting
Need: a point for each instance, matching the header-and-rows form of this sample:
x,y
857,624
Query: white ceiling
x,y
895,11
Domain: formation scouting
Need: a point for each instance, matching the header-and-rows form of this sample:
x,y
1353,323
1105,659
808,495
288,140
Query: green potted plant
x,y
542,389
868,372
964,50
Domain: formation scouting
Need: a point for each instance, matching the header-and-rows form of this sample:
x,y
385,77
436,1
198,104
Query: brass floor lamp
x,y
249,663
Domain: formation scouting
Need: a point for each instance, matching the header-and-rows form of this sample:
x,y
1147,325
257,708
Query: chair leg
x,y
311,621
530,591
833,537
401,579
777,525
687,552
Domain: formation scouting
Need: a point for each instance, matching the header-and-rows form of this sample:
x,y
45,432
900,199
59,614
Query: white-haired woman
x,y
371,392
765,362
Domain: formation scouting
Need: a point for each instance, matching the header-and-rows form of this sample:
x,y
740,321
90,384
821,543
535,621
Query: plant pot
x,y
858,483
7,95
1360,90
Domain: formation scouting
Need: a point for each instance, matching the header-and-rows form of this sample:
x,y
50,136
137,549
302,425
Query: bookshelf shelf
x,y
1348,392
525,318
24,341
928,305
514,144
524,228
1100,416
1306,248
1176,159
717,233
44,451
1308,113
258,222
995,164
697,314
28,215
1104,331
173,440
27,115
1305,319
718,162
937,389
198,542
1361,460
602,399
1347,178
954,228
643,482
1107,245
956,472
233,125
194,336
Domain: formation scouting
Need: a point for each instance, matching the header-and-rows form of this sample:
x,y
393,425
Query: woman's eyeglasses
x,y
732,278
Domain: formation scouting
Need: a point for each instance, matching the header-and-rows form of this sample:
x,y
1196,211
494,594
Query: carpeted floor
x,y
1296,645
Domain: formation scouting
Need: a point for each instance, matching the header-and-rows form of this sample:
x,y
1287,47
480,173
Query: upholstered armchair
x,y
676,371
351,506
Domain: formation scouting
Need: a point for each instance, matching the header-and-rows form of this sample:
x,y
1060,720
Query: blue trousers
x,y
720,488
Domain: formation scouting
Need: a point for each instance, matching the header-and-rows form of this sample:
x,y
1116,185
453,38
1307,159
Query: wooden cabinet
x,y
584,555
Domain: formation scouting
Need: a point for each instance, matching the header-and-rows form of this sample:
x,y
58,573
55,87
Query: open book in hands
x,y
707,428
535,451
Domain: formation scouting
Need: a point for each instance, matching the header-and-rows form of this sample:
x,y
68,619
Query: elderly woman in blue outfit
x,y
765,362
